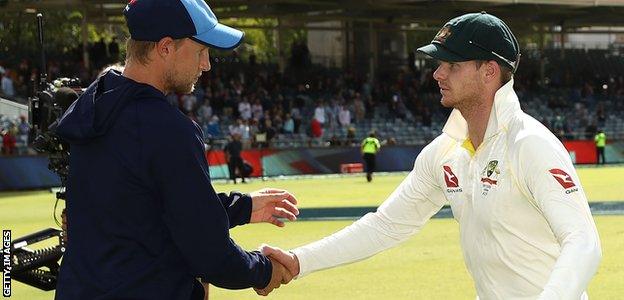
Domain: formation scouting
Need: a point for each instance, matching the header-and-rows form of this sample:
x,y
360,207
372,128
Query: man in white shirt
x,y
319,112
244,109
344,116
526,228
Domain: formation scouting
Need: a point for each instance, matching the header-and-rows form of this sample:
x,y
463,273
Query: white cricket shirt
x,y
525,226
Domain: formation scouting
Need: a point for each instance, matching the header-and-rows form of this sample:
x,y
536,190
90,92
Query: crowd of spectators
x,y
17,78
325,106
15,136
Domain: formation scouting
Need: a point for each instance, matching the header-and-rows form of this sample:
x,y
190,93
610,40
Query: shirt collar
x,y
505,104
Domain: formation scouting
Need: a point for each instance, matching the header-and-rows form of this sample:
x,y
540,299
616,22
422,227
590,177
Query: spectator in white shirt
x,y
244,109
344,116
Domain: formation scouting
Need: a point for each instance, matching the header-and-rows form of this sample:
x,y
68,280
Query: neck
x,y
477,117
147,74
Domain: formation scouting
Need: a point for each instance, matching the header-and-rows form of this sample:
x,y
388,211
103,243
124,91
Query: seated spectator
x,y
23,129
9,141
289,125
204,112
268,129
213,130
278,123
344,116
188,103
351,141
319,112
358,107
245,136
316,130
237,128
244,109
256,110
6,84
295,112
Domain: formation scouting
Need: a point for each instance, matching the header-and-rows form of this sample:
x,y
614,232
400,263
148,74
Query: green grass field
x,y
429,265
600,184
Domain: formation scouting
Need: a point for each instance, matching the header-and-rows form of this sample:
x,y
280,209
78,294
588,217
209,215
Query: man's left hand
x,y
269,204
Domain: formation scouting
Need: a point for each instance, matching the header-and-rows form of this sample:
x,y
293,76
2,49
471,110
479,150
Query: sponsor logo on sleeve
x,y
564,180
452,182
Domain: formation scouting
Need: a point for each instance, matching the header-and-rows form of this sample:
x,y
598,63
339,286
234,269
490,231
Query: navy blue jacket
x,y
143,219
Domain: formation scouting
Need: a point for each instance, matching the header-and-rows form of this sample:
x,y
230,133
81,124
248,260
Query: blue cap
x,y
152,20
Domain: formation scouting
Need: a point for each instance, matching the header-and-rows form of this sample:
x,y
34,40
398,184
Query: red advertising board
x,y
581,152
253,157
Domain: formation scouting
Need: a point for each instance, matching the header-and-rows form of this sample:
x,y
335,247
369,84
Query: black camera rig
x,y
39,268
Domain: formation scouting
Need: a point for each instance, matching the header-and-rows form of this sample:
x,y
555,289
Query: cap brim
x,y
221,37
440,52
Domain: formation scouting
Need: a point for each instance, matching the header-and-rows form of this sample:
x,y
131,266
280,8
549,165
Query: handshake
x,y
285,268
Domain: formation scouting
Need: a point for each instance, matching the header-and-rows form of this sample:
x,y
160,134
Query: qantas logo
x,y
563,178
450,178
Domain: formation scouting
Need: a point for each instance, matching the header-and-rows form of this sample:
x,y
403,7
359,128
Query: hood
x,y
97,108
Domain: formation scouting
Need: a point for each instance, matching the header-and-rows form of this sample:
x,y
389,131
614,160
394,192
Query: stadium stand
x,y
582,91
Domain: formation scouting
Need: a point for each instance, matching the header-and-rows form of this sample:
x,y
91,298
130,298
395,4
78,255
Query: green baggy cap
x,y
475,36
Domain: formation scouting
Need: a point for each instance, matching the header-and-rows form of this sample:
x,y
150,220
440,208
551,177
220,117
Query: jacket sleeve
x,y
402,215
195,215
238,207
550,179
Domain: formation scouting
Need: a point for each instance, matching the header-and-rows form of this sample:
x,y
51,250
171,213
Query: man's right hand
x,y
279,276
288,259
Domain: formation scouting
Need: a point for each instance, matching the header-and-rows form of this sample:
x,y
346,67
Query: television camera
x,y
39,268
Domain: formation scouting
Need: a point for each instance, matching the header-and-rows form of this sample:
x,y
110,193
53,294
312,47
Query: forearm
x,y
241,270
366,237
576,265
353,243
402,215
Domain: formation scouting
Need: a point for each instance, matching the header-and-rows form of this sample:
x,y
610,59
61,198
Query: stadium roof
x,y
569,13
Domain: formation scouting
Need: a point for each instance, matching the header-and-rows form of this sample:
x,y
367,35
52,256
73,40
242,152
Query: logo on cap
x,y
562,177
443,34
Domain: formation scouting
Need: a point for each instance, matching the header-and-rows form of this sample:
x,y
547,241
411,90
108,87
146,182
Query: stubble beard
x,y
466,101
175,83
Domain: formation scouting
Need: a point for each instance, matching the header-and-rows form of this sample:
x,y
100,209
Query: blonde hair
x,y
138,51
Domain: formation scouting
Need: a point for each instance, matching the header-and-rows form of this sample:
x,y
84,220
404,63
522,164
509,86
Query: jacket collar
x,y
505,105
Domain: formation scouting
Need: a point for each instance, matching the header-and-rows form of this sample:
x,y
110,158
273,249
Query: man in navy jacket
x,y
144,221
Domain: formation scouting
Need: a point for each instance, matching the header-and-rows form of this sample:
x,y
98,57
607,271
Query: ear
x,y
165,47
491,71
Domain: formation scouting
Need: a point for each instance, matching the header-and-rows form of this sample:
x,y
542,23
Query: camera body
x,y
46,109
